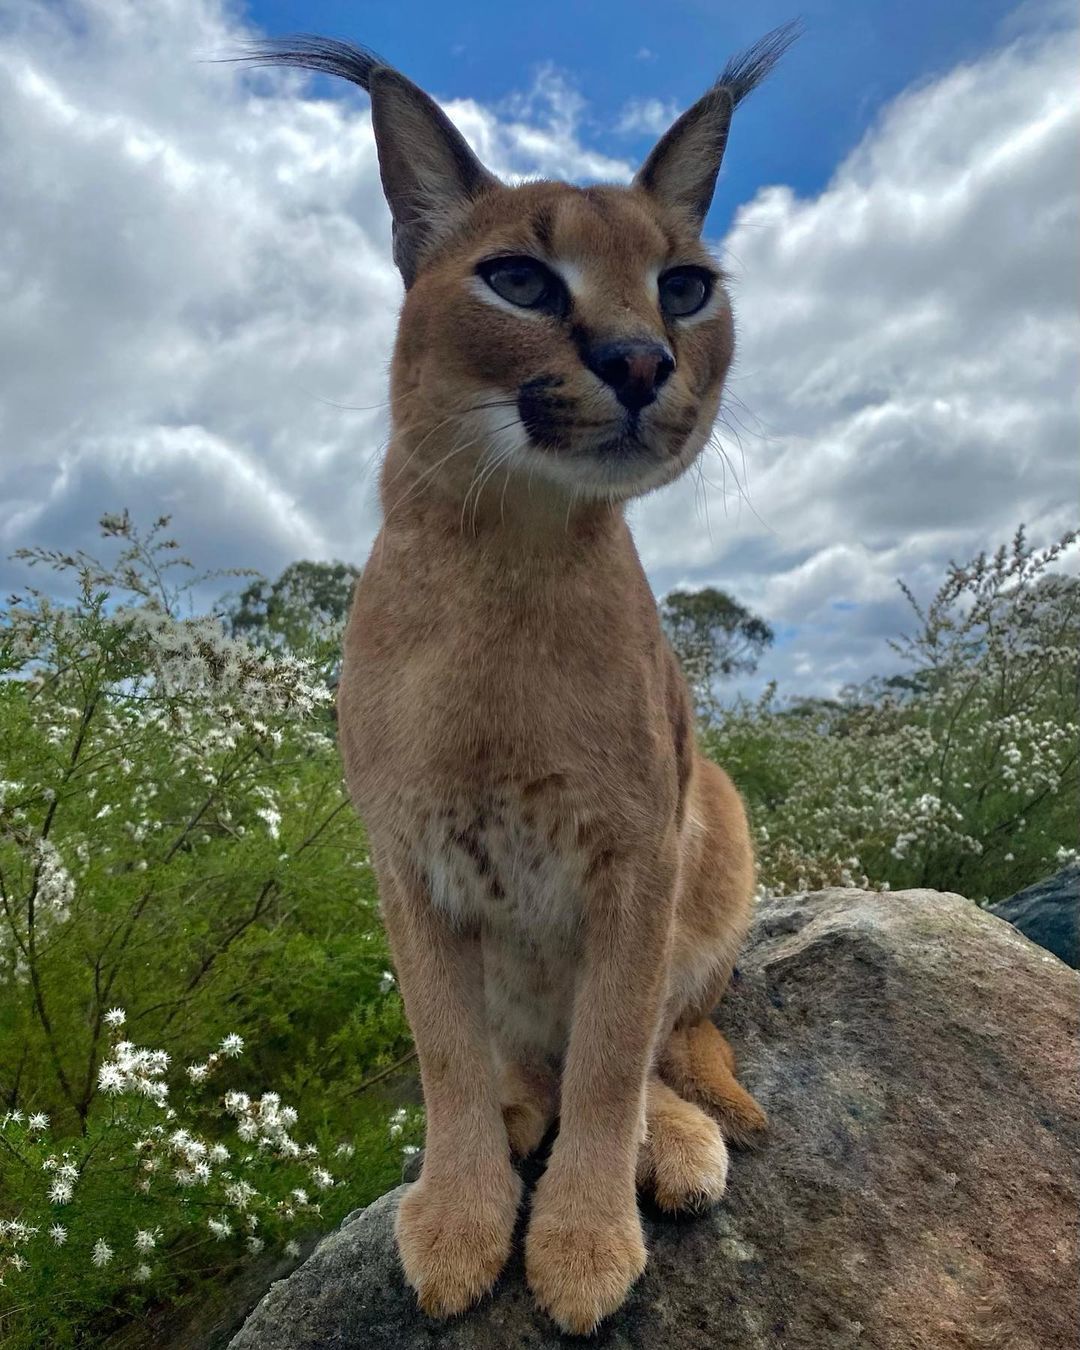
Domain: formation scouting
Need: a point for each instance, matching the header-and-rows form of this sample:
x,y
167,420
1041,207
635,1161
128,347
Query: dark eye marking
x,y
543,225
525,282
685,290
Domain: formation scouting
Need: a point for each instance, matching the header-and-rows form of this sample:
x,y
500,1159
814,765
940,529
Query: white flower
x,y
292,1247
239,1193
255,1245
102,1253
142,1273
322,1178
197,1072
17,1262
300,1195
145,1240
111,1078
55,885
272,817
386,981
219,1154
221,1228
232,1045
58,1233
38,1121
344,1150
60,1191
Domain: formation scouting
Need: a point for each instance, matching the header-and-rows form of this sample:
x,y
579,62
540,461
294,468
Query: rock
x,y
1048,913
916,1191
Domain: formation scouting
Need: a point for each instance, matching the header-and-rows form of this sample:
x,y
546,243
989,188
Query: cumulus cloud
x,y
198,295
199,302
646,115
905,391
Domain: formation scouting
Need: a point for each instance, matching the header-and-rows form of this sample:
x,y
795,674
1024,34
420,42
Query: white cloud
x,y
195,276
646,115
908,354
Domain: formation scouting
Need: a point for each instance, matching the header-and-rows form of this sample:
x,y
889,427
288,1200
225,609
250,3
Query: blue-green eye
x,y
522,281
684,290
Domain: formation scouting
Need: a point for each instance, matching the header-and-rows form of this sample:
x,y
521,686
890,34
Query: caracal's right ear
x,y
429,173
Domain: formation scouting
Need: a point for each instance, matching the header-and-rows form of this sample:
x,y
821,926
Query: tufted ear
x,y
682,168
428,171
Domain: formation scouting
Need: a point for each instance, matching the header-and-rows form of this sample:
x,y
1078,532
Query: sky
x,y
197,300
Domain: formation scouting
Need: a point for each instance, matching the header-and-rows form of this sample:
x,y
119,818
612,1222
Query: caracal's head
x,y
574,338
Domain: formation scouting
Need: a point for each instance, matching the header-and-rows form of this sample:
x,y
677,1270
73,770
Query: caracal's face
x,y
575,337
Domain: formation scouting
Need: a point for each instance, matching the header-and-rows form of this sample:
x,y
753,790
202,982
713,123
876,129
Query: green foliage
x,y
175,842
961,775
714,637
304,610
179,865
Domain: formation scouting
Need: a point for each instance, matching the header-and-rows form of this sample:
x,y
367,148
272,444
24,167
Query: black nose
x,y
635,370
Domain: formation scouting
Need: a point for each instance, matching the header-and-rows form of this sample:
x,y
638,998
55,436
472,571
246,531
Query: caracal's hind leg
x,y
529,1095
699,1064
683,1160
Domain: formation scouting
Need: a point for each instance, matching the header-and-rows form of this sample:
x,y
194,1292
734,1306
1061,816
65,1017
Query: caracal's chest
x,y
502,744
506,865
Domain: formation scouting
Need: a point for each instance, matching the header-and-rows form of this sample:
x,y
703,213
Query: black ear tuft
x,y
743,73
682,168
305,51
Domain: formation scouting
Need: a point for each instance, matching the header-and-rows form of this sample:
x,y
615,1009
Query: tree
x,y
307,603
714,637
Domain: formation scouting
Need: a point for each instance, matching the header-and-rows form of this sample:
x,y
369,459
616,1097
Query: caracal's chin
x,y
614,463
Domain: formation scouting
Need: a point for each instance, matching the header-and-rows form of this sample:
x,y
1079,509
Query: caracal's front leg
x,y
454,1225
584,1247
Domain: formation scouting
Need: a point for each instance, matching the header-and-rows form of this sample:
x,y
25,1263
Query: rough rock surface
x,y
917,1191
1048,913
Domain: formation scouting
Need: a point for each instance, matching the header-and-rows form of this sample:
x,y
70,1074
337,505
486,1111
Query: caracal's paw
x,y
454,1243
684,1160
581,1274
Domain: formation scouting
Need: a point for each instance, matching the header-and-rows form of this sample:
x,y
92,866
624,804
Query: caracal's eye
x,y
523,281
684,290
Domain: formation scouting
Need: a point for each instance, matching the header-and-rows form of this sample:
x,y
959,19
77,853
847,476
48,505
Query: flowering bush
x,y
174,841
179,868
961,775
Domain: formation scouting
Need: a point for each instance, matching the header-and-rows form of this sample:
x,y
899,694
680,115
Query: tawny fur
x,y
518,740
565,881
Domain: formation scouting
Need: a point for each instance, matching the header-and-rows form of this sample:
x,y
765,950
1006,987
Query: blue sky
x,y
197,297
853,57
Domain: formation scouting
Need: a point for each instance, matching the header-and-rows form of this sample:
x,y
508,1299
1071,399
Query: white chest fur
x,y
502,872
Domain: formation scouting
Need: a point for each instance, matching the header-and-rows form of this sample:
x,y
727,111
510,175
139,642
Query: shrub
x,y
961,775
174,841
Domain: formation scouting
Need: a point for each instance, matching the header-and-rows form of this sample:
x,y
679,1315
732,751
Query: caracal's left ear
x,y
429,173
680,172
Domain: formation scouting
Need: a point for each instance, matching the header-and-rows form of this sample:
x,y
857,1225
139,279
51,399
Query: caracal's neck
x,y
492,514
